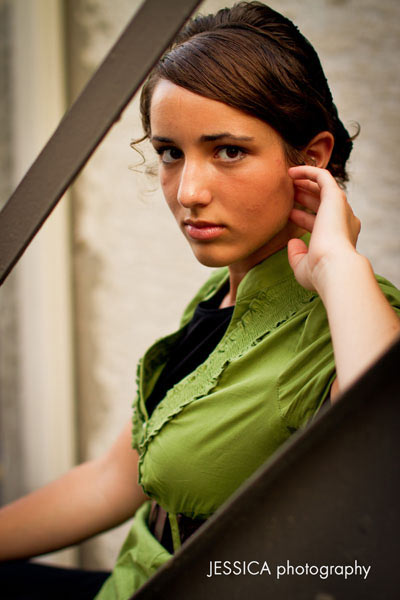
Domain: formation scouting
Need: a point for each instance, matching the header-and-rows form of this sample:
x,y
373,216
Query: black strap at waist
x,y
160,527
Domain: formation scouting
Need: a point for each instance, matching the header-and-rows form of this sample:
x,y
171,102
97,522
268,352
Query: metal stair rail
x,y
101,103
320,521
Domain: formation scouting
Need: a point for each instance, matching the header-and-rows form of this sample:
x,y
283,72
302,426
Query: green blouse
x,y
266,378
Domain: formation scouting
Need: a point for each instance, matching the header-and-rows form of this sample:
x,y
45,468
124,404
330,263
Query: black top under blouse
x,y
198,339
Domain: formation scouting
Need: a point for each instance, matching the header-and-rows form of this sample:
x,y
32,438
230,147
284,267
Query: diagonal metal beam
x,y
83,127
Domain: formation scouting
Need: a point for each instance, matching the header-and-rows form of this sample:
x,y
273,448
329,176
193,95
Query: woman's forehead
x,y
174,107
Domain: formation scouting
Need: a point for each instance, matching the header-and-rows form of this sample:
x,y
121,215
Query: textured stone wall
x,y
10,476
36,374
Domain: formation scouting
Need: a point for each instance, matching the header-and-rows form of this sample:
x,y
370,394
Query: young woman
x,y
252,160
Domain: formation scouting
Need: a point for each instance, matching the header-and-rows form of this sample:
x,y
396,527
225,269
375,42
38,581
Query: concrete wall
x,y
9,438
133,271
37,382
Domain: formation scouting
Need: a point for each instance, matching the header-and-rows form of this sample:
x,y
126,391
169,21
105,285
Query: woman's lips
x,y
202,230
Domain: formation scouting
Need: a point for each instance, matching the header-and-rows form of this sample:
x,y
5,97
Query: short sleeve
x,y
304,383
391,292
306,380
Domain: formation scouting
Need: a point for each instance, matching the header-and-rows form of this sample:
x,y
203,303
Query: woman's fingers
x,y
334,221
328,216
307,185
336,202
302,219
307,193
313,174
307,200
297,255
324,181
297,250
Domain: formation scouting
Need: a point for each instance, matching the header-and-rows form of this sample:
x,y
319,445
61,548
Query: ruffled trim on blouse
x,y
255,316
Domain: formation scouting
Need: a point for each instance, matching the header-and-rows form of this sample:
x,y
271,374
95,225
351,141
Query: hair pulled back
x,y
256,60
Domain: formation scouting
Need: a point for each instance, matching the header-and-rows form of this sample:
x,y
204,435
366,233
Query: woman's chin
x,y
212,262
212,259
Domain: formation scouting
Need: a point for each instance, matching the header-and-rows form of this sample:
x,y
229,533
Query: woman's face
x,y
224,176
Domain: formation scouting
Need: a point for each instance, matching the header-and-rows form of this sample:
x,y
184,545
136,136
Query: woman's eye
x,y
169,155
231,153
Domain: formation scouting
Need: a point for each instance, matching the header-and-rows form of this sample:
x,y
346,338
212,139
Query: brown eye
x,y
169,155
231,153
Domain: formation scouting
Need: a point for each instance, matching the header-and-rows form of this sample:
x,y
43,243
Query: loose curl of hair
x,y
254,59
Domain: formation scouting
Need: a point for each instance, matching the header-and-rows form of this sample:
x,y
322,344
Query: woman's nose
x,y
194,186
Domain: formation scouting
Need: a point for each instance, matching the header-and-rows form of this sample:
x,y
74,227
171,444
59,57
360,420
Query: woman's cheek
x,y
163,179
169,192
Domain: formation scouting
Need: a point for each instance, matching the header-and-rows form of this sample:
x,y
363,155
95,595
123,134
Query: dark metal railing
x,y
104,98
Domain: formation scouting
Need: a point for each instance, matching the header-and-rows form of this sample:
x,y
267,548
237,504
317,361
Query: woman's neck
x,y
238,270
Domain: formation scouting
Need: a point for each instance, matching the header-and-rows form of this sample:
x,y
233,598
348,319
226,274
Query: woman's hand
x,y
329,217
361,321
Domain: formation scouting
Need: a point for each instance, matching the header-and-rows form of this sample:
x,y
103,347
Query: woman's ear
x,y
318,151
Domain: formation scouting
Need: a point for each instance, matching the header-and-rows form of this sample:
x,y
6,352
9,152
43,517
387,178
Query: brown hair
x,y
256,60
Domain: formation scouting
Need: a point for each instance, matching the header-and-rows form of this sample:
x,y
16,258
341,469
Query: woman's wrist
x,y
341,272
361,321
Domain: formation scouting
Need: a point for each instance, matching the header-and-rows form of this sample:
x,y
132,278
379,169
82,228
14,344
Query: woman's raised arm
x,y
89,499
362,323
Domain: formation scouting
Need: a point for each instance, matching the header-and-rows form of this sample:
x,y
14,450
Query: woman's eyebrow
x,y
206,138
158,138
225,134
